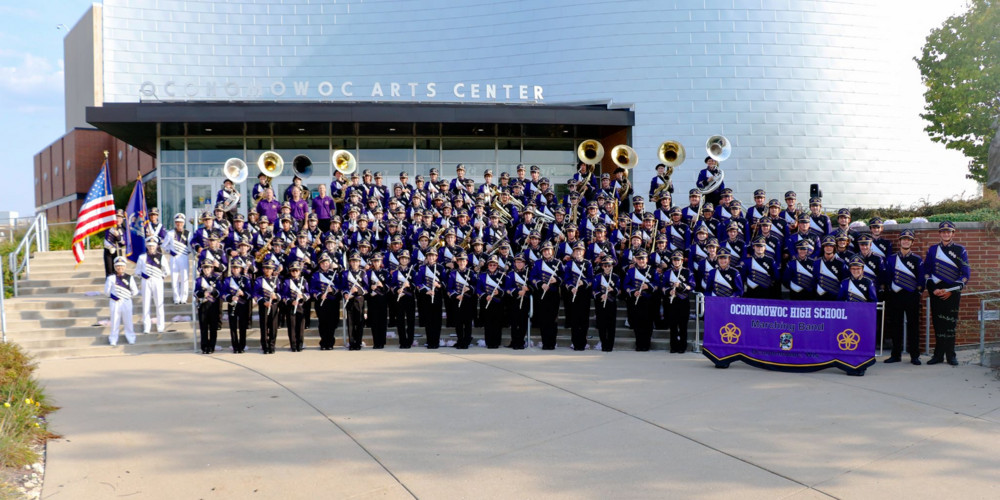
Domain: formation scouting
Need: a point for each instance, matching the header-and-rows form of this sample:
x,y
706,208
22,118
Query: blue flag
x,y
135,213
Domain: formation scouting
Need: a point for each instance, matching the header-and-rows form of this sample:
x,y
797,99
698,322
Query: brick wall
x,y
981,242
70,164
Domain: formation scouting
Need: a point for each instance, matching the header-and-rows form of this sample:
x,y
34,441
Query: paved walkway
x,y
502,424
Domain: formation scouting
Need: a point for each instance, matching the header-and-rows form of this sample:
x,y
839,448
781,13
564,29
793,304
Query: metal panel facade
x,y
797,85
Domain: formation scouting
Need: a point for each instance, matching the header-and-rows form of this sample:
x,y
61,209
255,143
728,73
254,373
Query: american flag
x,y
97,212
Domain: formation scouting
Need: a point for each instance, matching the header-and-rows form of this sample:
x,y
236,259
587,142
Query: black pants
x,y
430,318
642,322
324,225
757,293
660,312
898,305
268,326
355,321
393,308
546,314
567,300
944,317
296,326
208,312
492,319
449,310
803,295
517,311
239,321
678,314
328,315
377,319
465,313
109,262
579,321
405,309
607,319
307,313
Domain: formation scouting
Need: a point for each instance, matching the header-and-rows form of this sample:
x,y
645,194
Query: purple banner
x,y
796,336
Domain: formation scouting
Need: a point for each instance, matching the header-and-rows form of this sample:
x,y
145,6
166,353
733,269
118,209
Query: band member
x,y
265,293
880,245
430,281
114,243
761,273
263,182
236,291
858,287
606,287
323,288
120,288
401,286
154,228
354,284
946,272
206,290
819,223
462,292
176,244
902,276
490,291
677,283
657,183
829,271
724,280
799,274
269,206
228,196
638,284
517,301
378,312
545,283
152,267
576,278
706,176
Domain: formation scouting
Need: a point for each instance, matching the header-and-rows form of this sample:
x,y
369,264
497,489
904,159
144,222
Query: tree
x,y
960,66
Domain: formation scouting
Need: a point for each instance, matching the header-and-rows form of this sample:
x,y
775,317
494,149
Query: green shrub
x,y
982,209
23,405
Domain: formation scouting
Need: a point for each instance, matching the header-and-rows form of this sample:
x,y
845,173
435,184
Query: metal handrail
x,y
37,233
3,309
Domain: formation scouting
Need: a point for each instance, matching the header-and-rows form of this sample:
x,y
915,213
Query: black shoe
x,y
934,360
892,359
952,360
915,361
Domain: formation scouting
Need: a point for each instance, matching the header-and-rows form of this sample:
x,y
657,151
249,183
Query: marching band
x,y
497,255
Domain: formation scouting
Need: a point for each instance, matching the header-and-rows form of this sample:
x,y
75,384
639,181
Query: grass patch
x,y
23,406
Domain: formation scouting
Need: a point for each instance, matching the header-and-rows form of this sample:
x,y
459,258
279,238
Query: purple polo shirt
x,y
323,207
299,209
269,209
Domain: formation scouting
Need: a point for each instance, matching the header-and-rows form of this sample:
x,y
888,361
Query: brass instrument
x,y
259,256
236,172
270,164
438,241
302,167
590,152
344,162
505,216
671,154
718,148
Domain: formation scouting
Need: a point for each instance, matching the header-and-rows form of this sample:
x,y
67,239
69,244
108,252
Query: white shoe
x,y
145,333
131,343
114,344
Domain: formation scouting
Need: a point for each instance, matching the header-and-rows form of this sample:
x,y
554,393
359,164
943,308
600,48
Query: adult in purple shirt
x,y
300,207
324,207
269,206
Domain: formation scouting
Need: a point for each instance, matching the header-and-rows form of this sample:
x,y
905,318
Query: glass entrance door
x,y
201,197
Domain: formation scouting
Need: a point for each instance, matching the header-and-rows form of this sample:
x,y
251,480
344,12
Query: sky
x,y
31,77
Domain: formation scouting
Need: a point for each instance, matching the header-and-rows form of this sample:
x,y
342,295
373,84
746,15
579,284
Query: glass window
x,y
428,129
172,199
172,150
549,151
385,149
428,150
468,129
348,143
456,150
172,171
214,150
316,148
405,129
424,169
213,170
344,129
508,152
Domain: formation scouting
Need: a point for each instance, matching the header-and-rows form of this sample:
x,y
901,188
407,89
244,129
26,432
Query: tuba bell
x,y
302,167
344,162
719,148
270,164
235,170
590,152
624,157
671,154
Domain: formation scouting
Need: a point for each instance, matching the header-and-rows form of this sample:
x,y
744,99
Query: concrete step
x,y
71,342
71,301
103,349
87,313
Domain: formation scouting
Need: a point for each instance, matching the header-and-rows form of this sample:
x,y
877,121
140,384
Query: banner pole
x,y
927,325
527,333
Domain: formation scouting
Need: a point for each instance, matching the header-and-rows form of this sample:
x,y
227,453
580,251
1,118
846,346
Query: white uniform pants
x,y
121,315
152,291
179,275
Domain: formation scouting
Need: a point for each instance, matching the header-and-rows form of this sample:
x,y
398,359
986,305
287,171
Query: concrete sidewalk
x,y
505,424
